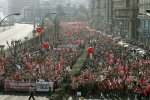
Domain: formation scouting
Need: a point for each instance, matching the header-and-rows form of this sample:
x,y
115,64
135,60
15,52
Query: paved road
x,y
6,28
13,97
19,31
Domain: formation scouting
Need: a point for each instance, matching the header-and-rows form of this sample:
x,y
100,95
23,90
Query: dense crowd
x,y
113,70
38,63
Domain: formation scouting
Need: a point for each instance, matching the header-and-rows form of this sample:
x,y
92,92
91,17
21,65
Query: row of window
x,y
145,24
122,24
122,13
144,1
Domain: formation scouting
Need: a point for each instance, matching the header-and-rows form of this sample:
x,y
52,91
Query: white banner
x,y
44,86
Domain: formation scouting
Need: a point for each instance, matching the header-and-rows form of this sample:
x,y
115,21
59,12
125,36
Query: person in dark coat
x,y
31,93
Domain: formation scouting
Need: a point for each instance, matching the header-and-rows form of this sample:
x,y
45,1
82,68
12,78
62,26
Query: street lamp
x,y
8,16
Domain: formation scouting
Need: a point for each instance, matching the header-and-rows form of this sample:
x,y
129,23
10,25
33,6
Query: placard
x,y
78,93
44,86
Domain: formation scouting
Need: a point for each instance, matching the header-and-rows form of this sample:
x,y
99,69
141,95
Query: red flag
x,y
120,68
90,78
148,87
30,66
118,60
127,68
3,60
111,56
122,72
24,58
17,77
111,62
59,66
144,92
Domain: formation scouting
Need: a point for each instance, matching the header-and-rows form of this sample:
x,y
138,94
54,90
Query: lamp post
x,y
8,16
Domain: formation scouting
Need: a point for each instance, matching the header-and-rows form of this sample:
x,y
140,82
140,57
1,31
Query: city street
x,y
18,32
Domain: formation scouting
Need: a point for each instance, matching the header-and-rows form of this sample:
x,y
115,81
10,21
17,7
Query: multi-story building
x,y
4,6
144,28
55,3
39,11
100,12
125,13
80,2
17,6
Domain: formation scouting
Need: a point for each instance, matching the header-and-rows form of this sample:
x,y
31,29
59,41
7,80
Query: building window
x,y
142,24
146,24
149,24
127,3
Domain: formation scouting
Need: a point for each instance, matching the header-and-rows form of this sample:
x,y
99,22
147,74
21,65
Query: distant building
x,y
1,15
18,5
4,6
55,3
125,19
80,2
144,28
100,12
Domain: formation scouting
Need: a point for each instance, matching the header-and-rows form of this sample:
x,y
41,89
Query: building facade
x,y
17,6
125,21
100,12
144,28
80,2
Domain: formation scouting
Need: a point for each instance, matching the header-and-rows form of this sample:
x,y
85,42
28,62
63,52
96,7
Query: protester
x,y
31,92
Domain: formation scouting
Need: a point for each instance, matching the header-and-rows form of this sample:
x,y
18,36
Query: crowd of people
x,y
111,67
113,70
38,63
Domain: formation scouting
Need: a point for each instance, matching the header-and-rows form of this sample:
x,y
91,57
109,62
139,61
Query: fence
x,y
23,46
